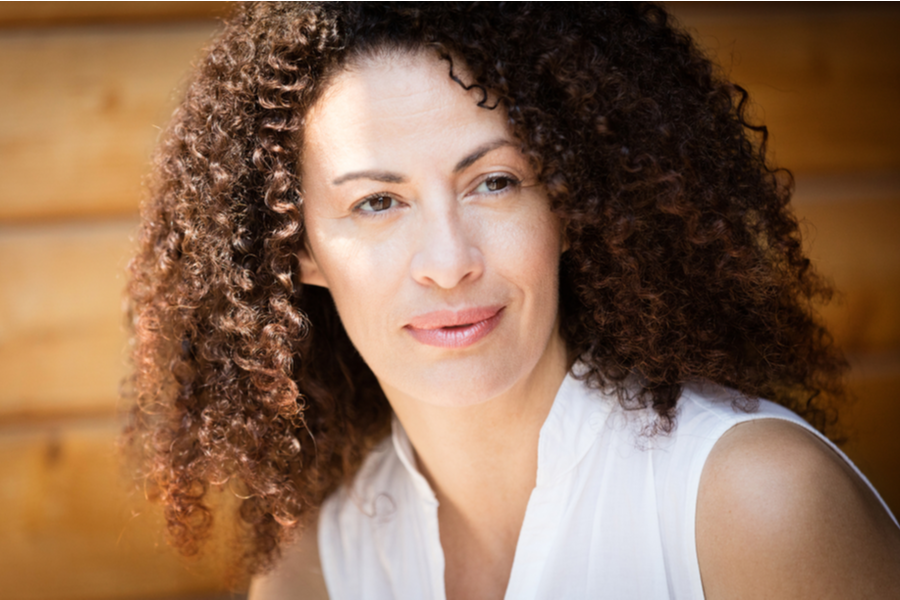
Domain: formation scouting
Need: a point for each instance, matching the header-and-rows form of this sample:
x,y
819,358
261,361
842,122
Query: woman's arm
x,y
297,576
781,515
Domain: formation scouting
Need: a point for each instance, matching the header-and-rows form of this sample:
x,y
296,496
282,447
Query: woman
x,y
488,292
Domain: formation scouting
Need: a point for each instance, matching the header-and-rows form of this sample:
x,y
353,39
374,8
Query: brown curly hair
x,y
684,263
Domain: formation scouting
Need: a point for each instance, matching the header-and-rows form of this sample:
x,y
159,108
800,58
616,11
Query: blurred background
x,y
84,90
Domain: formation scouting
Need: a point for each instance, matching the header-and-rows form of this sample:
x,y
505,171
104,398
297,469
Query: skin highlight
x,y
780,515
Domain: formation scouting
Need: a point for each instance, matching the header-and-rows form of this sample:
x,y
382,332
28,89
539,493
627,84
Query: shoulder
x,y
781,514
343,530
369,494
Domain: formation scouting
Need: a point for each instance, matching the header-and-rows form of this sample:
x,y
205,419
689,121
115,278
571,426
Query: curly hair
x,y
684,260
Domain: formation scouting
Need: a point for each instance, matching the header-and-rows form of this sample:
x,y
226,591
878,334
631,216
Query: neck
x,y
481,459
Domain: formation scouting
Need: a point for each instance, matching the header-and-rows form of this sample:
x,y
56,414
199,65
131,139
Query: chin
x,y
471,382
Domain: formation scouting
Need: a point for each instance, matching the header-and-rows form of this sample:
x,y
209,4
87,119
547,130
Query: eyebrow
x,y
389,177
479,152
382,176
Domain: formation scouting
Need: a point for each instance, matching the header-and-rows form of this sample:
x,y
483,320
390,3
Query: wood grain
x,y
84,106
825,82
31,14
871,421
73,527
62,344
62,339
87,87
82,111
850,225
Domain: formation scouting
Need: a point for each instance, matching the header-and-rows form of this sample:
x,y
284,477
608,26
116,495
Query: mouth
x,y
451,329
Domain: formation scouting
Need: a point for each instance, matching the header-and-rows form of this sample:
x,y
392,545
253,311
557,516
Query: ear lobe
x,y
310,274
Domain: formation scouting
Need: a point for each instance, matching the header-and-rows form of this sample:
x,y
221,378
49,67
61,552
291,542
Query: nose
x,y
447,254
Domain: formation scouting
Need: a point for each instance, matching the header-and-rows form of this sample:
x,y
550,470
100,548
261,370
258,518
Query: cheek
x,y
362,275
529,249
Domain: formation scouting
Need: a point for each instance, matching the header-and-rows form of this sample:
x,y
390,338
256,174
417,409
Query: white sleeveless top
x,y
612,514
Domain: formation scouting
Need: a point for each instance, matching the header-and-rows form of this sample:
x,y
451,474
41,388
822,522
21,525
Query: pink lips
x,y
452,329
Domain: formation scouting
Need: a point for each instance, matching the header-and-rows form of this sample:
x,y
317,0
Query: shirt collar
x,y
404,450
575,420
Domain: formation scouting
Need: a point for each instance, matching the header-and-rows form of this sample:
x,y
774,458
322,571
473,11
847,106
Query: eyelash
x,y
512,183
368,199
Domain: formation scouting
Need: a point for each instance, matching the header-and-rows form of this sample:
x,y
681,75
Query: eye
x,y
496,183
376,204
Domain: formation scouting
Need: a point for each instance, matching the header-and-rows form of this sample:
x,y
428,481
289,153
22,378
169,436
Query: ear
x,y
310,274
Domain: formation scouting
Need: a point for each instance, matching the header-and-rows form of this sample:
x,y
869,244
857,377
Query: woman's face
x,y
426,224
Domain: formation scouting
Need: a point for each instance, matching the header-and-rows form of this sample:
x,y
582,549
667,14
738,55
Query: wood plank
x,y
72,527
755,8
825,82
75,140
30,14
850,226
872,422
82,111
62,340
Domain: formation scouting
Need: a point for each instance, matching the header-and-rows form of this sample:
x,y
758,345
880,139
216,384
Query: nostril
x,y
447,255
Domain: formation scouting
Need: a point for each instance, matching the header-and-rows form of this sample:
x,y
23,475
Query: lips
x,y
455,329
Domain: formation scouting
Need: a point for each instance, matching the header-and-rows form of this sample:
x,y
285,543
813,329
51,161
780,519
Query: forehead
x,y
397,104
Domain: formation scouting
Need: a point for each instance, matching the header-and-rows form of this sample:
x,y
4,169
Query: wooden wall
x,y
825,79
86,87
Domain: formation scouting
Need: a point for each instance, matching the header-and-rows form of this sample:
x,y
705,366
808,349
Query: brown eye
x,y
375,204
496,183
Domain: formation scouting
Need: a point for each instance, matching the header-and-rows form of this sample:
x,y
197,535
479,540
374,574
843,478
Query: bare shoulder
x,y
297,576
781,515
